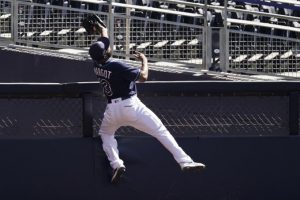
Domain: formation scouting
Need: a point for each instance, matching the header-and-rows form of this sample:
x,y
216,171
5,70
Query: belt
x,y
116,100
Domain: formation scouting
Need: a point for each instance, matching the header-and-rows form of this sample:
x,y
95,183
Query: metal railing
x,y
6,19
267,43
261,43
131,28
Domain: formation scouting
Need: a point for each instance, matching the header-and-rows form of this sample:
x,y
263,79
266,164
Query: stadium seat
x,y
217,20
215,3
5,16
119,9
57,2
171,17
143,46
186,19
172,6
240,58
139,2
80,37
46,33
138,13
287,54
234,15
158,48
295,34
193,42
255,57
262,29
280,32
271,56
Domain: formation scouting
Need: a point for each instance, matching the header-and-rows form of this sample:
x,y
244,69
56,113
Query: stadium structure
x,y
240,37
224,80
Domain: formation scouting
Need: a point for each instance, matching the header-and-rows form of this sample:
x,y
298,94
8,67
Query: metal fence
x,y
40,117
6,19
163,36
263,42
264,54
200,109
204,36
215,115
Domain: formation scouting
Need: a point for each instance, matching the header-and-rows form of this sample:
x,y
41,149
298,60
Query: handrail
x,y
255,23
279,1
167,87
157,10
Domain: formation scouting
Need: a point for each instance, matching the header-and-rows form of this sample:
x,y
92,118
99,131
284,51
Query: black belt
x,y
120,98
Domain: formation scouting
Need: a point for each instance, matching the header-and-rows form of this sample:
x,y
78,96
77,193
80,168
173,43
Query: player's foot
x,y
117,174
192,166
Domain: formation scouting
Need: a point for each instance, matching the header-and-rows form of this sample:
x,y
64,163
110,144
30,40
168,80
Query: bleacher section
x,y
254,36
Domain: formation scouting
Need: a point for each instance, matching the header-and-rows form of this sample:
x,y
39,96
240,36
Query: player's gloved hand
x,y
92,24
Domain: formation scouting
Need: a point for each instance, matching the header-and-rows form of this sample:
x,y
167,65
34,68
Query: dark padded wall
x,y
76,168
27,67
47,169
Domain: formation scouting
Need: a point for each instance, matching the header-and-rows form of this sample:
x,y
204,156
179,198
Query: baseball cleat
x,y
117,174
192,166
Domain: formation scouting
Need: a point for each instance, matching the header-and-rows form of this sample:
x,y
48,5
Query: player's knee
x,y
159,131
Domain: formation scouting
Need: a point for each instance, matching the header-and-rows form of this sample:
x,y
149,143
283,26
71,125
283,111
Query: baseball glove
x,y
90,22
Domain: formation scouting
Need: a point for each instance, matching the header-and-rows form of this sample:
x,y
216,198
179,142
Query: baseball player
x,y
124,108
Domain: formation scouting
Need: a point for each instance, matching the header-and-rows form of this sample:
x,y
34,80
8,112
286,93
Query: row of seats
x,y
273,62
268,8
215,17
279,10
42,24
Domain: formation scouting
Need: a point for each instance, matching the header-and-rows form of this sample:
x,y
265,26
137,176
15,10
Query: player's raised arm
x,y
101,30
144,68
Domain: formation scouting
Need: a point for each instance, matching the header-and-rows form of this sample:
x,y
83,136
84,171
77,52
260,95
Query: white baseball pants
x,y
132,112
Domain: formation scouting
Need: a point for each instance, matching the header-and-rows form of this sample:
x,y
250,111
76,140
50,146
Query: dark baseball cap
x,y
98,49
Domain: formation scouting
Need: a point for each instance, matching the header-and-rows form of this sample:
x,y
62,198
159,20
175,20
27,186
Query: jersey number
x,y
106,87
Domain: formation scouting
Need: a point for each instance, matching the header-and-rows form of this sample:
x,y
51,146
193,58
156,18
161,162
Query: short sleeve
x,y
128,72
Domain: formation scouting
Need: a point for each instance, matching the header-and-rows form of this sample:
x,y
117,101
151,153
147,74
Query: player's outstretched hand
x,y
93,24
139,56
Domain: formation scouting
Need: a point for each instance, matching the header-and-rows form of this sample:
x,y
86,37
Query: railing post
x,y
225,40
111,22
127,33
205,39
294,113
87,115
14,21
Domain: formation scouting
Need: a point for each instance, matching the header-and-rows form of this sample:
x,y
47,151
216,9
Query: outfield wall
x,y
76,168
247,133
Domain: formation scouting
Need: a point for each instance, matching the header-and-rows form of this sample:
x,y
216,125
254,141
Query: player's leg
x,y
149,123
110,148
110,145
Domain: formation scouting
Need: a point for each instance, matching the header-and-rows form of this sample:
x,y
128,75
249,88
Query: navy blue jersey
x,y
117,78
